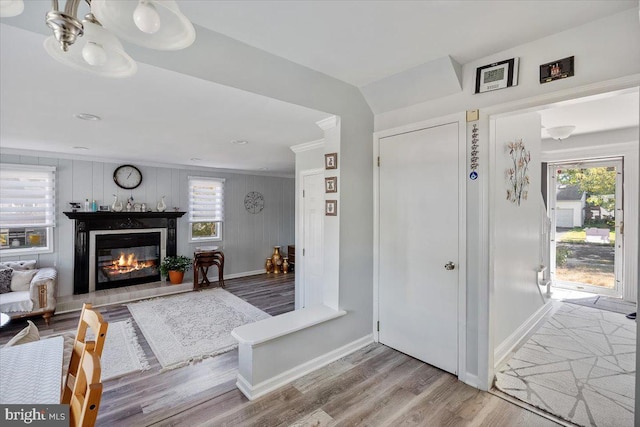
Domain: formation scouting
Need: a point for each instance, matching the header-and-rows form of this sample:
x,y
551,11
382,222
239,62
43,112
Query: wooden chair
x,y
89,319
87,392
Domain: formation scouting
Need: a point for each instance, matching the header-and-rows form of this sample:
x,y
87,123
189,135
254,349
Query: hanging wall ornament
x,y
517,175
473,164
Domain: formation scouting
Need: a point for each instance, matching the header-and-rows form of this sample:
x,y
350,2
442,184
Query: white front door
x,y
313,233
417,293
588,257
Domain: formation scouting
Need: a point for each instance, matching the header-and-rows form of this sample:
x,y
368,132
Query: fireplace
x,y
125,257
114,249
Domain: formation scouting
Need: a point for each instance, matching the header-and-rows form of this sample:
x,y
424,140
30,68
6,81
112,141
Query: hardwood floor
x,y
375,386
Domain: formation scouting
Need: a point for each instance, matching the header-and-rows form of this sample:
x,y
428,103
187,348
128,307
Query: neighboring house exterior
x,y
570,205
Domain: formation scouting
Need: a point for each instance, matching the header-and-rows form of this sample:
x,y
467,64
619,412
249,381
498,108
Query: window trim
x,y
49,248
219,220
217,238
7,252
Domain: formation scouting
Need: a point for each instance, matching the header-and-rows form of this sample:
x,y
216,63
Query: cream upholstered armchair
x,y
27,290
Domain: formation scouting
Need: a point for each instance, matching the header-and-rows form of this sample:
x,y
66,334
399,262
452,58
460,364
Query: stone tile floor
x,y
579,365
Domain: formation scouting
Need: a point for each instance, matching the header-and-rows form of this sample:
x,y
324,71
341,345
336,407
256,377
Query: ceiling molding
x,y
114,160
307,146
328,123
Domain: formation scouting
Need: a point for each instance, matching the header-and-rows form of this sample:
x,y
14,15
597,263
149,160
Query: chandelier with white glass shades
x,y
92,44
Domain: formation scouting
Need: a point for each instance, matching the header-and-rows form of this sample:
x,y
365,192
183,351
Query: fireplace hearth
x,y
114,249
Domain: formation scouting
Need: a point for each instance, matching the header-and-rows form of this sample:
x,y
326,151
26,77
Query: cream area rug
x,y
579,366
194,325
122,353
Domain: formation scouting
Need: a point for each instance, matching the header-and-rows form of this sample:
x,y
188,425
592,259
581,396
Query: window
x,y
206,208
27,208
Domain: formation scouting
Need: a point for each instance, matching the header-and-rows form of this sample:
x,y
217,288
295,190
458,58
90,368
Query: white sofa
x,y
39,299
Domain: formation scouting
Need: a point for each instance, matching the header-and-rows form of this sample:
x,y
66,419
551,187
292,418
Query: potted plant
x,y
174,268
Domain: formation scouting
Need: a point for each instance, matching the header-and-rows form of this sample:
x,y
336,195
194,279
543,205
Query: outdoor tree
x,y
599,183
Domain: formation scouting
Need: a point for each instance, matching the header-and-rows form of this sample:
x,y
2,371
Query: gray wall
x,y
221,59
247,238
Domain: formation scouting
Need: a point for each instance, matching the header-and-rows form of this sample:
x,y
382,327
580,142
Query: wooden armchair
x,y
89,319
87,392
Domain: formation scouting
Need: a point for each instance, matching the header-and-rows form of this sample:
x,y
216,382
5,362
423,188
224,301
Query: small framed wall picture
x,y
331,161
498,75
558,69
331,207
331,184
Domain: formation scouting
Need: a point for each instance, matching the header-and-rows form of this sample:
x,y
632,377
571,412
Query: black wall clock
x,y
254,202
127,177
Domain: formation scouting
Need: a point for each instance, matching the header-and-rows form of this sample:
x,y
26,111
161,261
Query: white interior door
x,y
418,295
313,232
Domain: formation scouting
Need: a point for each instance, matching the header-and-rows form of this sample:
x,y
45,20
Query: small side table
x,y
202,260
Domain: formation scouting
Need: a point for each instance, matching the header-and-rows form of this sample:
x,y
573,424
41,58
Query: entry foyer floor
x,y
578,365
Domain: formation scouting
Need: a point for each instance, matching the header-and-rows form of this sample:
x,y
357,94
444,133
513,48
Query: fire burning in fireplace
x,y
126,263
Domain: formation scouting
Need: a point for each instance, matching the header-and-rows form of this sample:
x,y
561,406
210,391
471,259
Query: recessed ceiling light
x,y
87,116
77,147
239,142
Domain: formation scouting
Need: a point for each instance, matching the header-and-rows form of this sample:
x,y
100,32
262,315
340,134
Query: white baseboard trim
x,y
254,392
471,380
508,345
243,274
214,275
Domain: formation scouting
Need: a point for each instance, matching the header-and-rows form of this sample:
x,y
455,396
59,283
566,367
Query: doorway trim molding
x,y
460,120
485,327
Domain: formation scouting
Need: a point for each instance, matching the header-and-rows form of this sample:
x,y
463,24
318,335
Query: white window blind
x,y
27,196
206,199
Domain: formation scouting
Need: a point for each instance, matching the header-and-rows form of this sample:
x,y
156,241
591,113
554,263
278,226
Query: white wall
x,y
247,238
597,45
515,243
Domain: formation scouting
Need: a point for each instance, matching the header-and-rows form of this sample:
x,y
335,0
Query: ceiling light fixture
x,y
9,8
77,147
87,116
560,132
157,24
239,142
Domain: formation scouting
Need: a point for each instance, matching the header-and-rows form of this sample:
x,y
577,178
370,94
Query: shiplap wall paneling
x,y
247,238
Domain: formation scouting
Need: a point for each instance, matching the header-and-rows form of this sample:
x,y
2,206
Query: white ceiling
x,y
364,41
595,114
156,116
160,116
